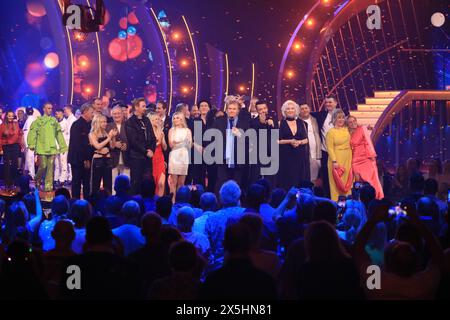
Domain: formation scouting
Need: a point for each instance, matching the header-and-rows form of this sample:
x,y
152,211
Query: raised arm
x,y
36,221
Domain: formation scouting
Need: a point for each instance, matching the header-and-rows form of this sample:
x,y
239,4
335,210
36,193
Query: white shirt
x,y
119,125
327,125
70,120
66,133
311,139
26,127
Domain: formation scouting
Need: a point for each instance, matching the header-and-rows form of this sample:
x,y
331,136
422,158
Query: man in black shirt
x,y
142,144
81,152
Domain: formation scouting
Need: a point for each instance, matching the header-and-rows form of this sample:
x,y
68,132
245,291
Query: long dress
x,y
362,165
179,155
158,165
338,146
293,162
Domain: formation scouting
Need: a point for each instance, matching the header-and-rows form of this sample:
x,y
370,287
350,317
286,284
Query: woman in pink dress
x,y
364,163
159,166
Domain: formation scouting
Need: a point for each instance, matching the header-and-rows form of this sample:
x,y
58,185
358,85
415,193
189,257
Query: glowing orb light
x,y
122,35
437,19
36,9
83,61
117,49
51,60
35,74
131,30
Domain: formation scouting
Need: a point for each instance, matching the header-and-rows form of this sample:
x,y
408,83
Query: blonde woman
x,y
180,141
339,156
102,141
159,165
294,149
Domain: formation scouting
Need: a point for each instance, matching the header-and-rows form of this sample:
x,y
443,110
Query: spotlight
x,y
310,22
326,2
176,36
297,46
184,89
51,60
290,74
79,36
241,88
184,63
83,61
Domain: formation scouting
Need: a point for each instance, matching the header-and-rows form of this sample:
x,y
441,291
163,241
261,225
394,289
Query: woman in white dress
x,y
180,141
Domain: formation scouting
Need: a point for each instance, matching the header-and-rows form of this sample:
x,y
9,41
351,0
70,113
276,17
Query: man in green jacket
x,y
46,139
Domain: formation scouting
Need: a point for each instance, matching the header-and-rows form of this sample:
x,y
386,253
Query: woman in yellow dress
x,y
339,156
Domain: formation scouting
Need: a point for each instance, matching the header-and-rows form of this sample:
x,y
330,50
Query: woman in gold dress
x,y
339,157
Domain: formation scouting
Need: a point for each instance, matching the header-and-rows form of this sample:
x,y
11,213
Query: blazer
x,y
317,135
243,123
138,140
122,137
80,149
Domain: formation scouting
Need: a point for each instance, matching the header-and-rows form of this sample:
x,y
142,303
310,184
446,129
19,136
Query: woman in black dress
x,y
294,148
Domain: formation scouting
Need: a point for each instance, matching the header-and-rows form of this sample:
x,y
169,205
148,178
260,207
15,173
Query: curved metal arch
x,y
333,25
194,52
399,102
169,63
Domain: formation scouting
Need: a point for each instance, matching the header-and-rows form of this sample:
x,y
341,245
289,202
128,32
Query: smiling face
x,y
98,105
262,109
352,123
304,111
340,120
155,120
330,104
232,110
10,116
177,121
103,123
160,110
117,115
290,111
140,108
204,108
59,115
195,112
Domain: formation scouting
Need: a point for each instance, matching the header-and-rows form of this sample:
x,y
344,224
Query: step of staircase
x,y
371,107
366,114
386,94
378,101
367,121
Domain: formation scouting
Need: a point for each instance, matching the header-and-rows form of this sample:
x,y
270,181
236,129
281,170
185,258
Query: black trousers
x,y
11,153
80,175
101,169
139,169
224,174
324,174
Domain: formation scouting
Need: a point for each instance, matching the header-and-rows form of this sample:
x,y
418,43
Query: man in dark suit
x,y
118,152
264,121
323,118
141,145
81,152
230,127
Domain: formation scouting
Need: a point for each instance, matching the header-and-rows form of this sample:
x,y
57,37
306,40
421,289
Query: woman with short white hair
x,y
294,148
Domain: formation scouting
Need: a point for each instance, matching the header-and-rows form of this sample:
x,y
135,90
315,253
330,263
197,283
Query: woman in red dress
x,y
364,163
159,166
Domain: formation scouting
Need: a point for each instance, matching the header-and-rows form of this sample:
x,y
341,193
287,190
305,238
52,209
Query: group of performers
x,y
326,148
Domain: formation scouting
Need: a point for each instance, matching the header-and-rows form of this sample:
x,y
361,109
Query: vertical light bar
x,y
71,56
195,59
253,80
227,75
99,59
168,58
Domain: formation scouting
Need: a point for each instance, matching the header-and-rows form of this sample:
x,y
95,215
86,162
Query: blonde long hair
x,y
183,119
95,126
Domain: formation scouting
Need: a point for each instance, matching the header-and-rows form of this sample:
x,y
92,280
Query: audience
x,y
238,279
185,221
129,232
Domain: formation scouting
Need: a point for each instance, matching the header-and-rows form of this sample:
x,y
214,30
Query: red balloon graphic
x,y
35,74
134,46
129,48
132,18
